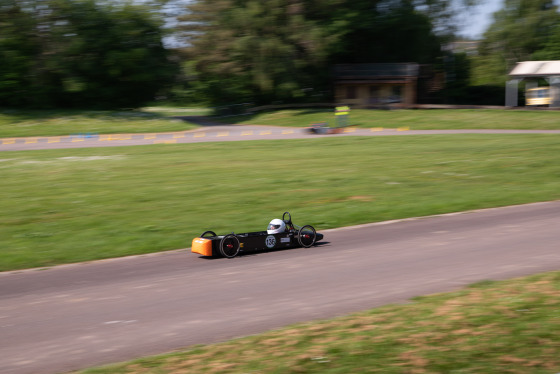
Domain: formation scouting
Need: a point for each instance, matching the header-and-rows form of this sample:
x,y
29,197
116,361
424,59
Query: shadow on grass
x,y
224,120
313,111
249,117
19,115
205,121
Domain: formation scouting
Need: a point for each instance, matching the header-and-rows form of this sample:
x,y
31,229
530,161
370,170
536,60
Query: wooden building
x,y
373,85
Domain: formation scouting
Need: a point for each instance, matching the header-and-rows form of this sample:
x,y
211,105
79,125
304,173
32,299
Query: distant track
x,y
212,132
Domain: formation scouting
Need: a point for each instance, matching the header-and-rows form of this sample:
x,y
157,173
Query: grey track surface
x,y
217,132
75,316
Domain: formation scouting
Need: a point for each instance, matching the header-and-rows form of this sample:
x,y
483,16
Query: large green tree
x,y
80,53
258,50
265,51
18,47
521,30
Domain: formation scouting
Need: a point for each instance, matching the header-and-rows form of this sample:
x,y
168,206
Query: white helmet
x,y
276,226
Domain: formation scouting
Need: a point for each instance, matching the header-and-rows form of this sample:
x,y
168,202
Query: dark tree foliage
x,y
79,53
18,47
389,31
266,51
551,49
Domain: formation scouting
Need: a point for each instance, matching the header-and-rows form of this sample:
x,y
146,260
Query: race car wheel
x,y
212,233
229,246
307,236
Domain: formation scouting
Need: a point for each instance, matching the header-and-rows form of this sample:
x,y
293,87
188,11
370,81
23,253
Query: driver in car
x,y
276,226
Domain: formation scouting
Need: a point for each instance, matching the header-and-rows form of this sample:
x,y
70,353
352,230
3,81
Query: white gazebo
x,y
531,71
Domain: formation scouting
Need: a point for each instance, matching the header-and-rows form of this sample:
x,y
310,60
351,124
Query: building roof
x,y
536,69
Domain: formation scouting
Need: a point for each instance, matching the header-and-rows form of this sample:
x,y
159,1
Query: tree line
x,y
80,53
95,53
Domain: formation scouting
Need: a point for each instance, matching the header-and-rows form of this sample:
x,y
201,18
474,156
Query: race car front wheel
x,y
229,246
307,236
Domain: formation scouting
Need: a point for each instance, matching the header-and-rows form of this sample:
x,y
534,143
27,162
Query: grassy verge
x,y
491,327
19,123
415,119
62,206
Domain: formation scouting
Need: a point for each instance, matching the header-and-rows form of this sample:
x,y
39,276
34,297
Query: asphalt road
x,y
75,316
212,133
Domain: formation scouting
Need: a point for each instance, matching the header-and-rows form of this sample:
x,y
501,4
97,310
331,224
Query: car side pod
x,y
203,244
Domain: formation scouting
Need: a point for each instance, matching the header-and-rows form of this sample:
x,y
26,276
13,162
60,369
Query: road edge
x,y
343,228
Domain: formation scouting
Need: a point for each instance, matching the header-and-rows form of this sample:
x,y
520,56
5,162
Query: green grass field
x,y
20,123
490,327
62,206
414,119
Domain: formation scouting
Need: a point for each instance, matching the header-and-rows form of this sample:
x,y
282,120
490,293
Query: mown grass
x,y
21,123
62,206
414,119
491,327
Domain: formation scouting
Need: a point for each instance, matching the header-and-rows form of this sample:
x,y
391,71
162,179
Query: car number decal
x,y
270,241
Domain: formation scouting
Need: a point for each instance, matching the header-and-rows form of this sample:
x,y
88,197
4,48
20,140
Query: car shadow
x,y
264,251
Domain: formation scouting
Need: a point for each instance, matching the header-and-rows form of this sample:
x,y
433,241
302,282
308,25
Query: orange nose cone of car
x,y
202,246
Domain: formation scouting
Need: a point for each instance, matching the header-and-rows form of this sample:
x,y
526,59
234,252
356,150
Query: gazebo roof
x,y
536,69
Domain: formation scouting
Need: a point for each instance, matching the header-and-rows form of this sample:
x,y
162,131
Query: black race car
x,y
323,129
280,234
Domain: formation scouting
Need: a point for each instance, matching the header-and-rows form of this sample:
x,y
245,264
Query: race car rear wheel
x,y
208,232
229,246
307,236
